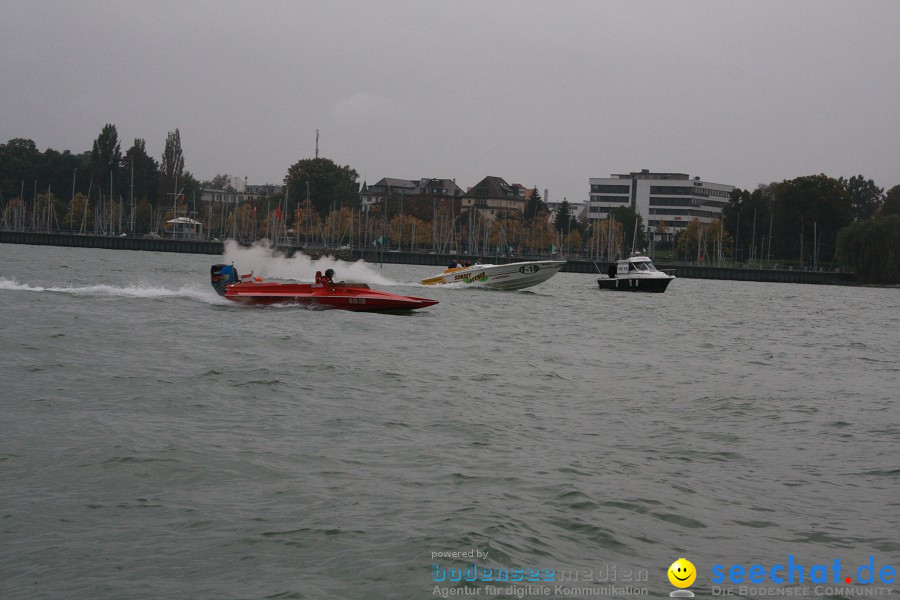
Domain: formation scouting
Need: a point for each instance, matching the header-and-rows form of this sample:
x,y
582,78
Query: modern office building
x,y
673,198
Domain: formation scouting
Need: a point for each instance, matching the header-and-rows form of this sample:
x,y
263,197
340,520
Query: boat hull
x,y
635,284
511,276
343,297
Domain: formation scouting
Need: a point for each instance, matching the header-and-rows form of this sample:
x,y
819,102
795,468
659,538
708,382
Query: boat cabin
x,y
635,264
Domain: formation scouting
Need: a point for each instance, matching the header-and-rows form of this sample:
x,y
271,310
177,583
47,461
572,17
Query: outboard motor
x,y
222,276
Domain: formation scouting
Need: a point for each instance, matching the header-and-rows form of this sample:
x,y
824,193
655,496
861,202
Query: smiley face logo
x,y
682,573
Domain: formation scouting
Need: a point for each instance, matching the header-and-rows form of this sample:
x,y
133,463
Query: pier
x,y
574,265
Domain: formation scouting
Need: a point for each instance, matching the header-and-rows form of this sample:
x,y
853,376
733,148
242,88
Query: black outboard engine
x,y
222,276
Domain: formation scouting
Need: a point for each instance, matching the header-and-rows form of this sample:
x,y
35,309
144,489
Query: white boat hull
x,y
512,276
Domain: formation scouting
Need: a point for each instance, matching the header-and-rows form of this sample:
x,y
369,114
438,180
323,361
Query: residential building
x,y
672,198
386,187
493,198
418,197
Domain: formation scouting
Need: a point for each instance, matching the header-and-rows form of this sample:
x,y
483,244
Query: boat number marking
x,y
357,300
529,269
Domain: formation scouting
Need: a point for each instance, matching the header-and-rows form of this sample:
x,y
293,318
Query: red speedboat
x,y
345,296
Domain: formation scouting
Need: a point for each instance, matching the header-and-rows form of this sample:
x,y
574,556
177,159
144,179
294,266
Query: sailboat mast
x,y
131,214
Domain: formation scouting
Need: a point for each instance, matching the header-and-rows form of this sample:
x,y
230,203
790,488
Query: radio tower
x,y
317,143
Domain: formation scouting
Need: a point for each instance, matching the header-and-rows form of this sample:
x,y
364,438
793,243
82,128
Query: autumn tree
x,y
79,211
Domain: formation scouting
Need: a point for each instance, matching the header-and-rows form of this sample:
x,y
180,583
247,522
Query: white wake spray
x,y
193,292
262,260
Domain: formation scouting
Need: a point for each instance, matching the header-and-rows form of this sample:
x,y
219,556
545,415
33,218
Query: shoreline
x,y
214,248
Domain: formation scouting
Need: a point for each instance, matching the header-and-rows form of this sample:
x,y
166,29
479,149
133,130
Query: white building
x,y
674,198
238,191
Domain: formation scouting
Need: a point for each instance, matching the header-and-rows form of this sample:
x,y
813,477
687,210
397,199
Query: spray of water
x,y
262,260
193,292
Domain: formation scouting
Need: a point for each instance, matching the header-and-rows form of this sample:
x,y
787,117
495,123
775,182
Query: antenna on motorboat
x,y
634,237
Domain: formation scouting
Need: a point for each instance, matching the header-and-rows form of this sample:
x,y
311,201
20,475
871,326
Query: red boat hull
x,y
341,296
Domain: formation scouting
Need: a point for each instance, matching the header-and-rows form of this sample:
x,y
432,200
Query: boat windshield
x,y
642,266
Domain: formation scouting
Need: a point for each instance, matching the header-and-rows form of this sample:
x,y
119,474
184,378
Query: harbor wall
x,y
38,238
216,248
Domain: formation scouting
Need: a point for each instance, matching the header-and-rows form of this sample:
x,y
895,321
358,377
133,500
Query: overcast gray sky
x,y
546,93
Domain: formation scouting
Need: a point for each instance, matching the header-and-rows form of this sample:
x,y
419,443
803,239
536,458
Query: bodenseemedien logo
x,y
682,574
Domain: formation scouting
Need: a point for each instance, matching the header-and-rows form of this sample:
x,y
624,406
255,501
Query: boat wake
x,y
262,260
198,292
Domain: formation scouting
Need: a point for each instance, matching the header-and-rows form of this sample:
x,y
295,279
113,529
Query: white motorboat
x,y
511,276
635,274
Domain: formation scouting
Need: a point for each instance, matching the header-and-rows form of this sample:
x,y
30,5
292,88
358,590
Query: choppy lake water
x,y
157,441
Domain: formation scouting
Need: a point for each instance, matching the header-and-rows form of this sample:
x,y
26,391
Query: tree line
x,y
806,221
814,221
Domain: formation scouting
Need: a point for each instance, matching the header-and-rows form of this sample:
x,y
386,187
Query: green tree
x,y
145,171
19,160
106,157
747,216
22,166
330,185
808,213
535,205
871,249
563,221
632,225
171,169
190,191
891,204
58,169
219,182
143,216
865,196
